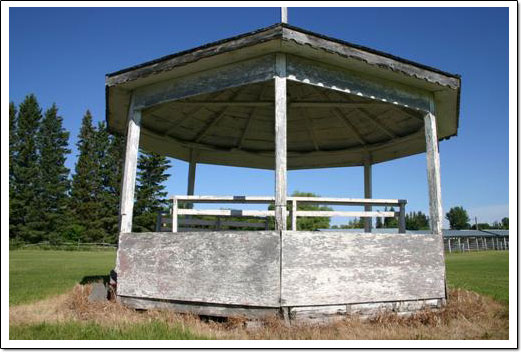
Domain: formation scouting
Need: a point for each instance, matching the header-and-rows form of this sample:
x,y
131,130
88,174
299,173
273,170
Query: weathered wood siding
x,y
239,268
341,268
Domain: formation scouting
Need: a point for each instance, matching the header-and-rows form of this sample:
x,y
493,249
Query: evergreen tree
x,y
87,184
13,145
112,170
390,222
53,141
416,221
25,216
379,223
150,194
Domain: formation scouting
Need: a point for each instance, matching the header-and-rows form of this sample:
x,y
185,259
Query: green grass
x,y
37,274
91,331
482,272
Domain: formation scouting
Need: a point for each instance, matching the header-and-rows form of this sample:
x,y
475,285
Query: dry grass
x,y
466,316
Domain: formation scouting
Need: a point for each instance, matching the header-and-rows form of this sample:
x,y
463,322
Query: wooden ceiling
x,y
322,124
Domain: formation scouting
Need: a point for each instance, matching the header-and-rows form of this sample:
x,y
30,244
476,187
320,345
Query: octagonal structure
x,y
281,98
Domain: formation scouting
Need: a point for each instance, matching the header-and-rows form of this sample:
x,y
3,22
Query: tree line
x,y
459,220
48,202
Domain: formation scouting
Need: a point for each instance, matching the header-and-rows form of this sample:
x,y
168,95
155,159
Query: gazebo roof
x,y
345,102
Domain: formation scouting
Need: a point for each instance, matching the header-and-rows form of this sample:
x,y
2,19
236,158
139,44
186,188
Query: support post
x,y
433,172
368,192
505,243
450,249
468,245
129,170
280,143
175,208
459,244
401,219
159,221
191,173
294,215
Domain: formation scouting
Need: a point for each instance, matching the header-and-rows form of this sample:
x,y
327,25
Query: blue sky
x,y
63,54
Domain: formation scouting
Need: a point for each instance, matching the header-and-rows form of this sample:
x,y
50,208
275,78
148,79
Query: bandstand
x,y
282,98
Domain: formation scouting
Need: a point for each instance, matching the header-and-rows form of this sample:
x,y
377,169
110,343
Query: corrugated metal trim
x,y
284,25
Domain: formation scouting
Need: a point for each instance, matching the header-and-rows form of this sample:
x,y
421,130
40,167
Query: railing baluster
x,y
401,220
174,214
294,215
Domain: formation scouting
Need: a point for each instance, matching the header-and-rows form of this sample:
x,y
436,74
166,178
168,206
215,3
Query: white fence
x,y
477,243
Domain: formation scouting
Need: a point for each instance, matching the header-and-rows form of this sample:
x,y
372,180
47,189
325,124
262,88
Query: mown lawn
x,y
483,272
155,330
37,274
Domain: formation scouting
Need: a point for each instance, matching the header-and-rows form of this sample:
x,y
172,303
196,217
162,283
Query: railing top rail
x,y
224,199
348,201
261,199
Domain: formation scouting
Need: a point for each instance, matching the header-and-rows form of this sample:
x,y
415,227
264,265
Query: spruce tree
x,y
112,170
87,183
150,194
12,139
12,159
53,141
25,215
109,153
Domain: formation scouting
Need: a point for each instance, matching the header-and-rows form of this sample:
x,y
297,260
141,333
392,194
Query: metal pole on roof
x,y
284,15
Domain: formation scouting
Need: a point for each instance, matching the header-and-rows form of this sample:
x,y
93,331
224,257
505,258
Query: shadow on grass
x,y
95,278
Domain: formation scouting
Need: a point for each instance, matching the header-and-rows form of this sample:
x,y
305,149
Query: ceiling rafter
x,y
307,123
184,115
345,120
377,123
250,119
216,119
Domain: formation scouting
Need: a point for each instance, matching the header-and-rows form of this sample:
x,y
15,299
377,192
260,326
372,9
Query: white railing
x,y
292,205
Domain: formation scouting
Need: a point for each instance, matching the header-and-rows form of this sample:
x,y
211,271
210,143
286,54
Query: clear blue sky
x,y
62,56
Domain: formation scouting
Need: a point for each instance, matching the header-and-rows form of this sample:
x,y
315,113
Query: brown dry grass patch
x,y
466,316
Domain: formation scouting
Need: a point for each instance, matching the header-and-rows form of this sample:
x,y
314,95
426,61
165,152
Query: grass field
x,y
482,272
155,330
37,274
37,278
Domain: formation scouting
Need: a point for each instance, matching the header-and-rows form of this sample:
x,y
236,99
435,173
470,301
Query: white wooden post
x,y
450,249
401,218
175,210
477,244
433,172
280,143
459,244
368,192
294,215
468,245
191,173
505,243
129,170
284,15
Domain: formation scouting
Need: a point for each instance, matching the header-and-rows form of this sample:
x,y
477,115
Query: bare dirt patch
x,y
466,316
